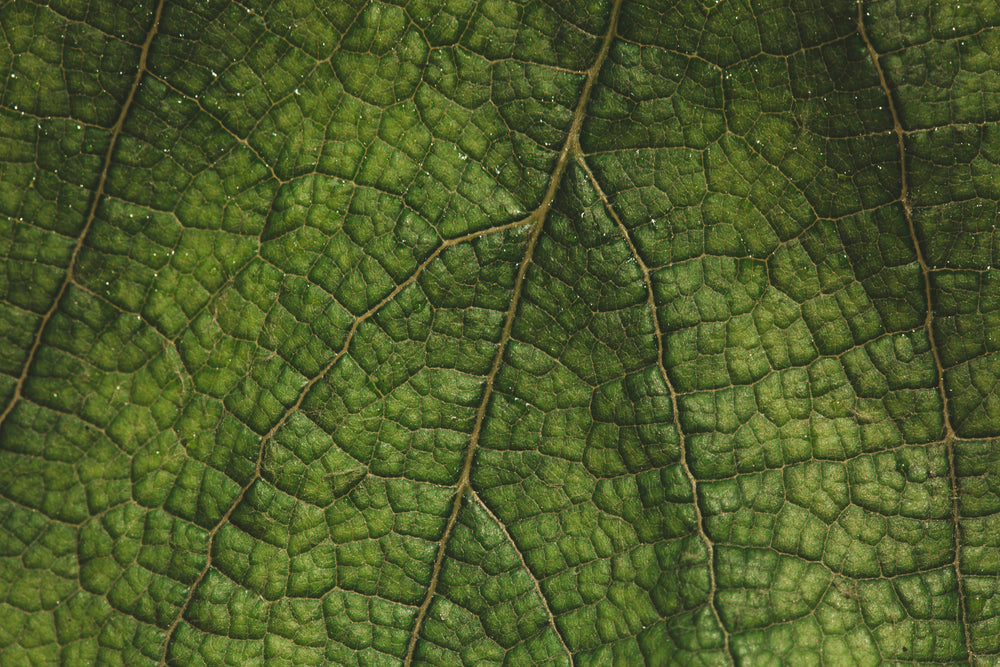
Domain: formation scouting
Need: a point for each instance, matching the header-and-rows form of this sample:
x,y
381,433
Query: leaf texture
x,y
475,332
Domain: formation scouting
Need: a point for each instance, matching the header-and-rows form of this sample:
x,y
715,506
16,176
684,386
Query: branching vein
x,y
925,272
292,409
538,216
95,202
661,366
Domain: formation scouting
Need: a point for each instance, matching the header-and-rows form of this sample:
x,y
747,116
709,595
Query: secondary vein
x,y
925,272
292,409
116,131
647,280
537,217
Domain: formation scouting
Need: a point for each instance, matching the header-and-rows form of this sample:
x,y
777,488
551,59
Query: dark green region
x,y
499,332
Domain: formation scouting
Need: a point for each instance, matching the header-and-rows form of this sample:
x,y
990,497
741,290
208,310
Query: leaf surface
x,y
492,332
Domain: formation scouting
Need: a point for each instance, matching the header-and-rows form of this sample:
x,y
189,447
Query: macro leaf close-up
x,y
499,332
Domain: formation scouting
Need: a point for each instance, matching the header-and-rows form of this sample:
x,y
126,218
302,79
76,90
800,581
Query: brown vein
x,y
925,271
524,564
537,219
292,409
463,480
116,131
661,366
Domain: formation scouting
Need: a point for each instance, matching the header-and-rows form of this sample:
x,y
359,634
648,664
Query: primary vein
x,y
647,279
267,437
925,273
116,132
537,218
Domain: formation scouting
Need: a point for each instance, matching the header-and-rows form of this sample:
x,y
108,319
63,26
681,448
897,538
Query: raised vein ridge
x,y
537,219
293,408
675,410
116,131
925,273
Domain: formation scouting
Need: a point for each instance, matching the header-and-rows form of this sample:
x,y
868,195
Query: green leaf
x,y
475,332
